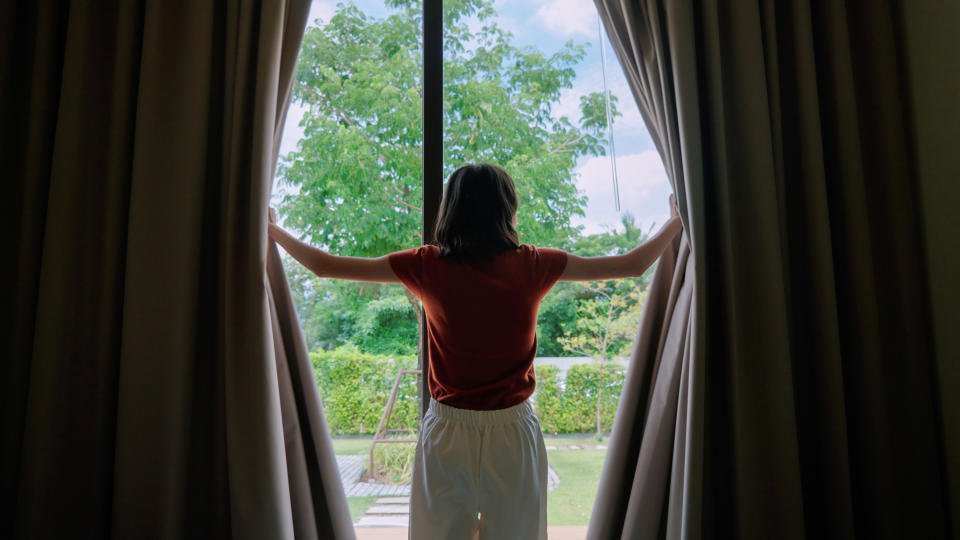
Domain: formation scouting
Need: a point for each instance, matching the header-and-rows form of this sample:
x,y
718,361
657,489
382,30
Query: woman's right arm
x,y
631,264
324,264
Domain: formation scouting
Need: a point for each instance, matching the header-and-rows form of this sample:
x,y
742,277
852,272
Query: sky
x,y
546,25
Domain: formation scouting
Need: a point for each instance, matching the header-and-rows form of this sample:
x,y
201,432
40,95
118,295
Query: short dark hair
x,y
475,222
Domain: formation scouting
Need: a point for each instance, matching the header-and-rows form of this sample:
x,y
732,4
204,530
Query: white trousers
x,y
491,463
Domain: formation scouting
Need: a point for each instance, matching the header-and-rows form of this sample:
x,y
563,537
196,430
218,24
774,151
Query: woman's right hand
x,y
673,226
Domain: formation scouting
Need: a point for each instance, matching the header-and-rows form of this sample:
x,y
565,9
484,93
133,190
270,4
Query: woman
x,y
480,451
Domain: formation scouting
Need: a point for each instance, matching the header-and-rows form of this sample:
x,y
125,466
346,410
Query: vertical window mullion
x,y
432,152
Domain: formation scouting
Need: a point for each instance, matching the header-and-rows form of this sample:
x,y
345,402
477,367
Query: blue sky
x,y
546,25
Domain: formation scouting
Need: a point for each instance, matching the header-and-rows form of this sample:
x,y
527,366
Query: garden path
x,y
389,511
351,468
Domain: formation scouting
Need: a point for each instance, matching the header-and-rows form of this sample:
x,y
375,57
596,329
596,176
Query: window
x,y
391,97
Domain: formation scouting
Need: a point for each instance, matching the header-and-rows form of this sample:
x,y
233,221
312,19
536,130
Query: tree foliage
x,y
559,310
353,184
605,323
357,172
567,404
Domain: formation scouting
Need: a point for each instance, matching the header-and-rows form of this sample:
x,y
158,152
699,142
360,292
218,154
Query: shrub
x,y
572,408
394,463
547,402
355,387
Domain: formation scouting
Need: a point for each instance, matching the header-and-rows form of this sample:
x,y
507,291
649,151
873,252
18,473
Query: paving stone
x,y
393,500
552,479
383,521
389,509
351,469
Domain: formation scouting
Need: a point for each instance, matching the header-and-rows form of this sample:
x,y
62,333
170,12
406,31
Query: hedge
x,y
355,386
570,406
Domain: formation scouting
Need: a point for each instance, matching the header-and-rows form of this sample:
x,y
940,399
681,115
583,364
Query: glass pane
x,y
526,88
349,181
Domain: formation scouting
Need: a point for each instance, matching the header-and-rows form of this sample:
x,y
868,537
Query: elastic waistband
x,y
481,418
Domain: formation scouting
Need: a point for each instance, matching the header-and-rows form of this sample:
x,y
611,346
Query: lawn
x,y
352,447
579,471
567,440
359,506
570,504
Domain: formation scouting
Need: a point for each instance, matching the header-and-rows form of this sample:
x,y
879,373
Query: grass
x,y
575,439
356,447
579,471
352,447
394,463
359,506
570,504
361,445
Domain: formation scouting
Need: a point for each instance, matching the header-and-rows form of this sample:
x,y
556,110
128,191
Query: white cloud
x,y
569,17
320,10
292,132
475,25
591,80
510,25
643,188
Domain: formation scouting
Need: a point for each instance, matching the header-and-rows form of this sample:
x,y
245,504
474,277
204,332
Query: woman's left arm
x,y
324,264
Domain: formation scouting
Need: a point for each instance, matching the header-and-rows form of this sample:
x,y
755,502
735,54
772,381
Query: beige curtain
x,y
793,393
645,455
155,382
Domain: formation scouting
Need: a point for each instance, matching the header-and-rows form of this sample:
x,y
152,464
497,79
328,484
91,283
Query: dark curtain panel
x,y
931,29
808,404
155,384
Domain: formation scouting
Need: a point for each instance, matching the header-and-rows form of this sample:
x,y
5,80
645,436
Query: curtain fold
x,y
805,404
320,506
652,465
637,473
154,384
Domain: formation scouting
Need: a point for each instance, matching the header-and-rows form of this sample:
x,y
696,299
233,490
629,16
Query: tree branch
x,y
564,144
402,194
343,116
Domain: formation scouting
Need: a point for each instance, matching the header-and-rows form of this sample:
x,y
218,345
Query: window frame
x,y
432,39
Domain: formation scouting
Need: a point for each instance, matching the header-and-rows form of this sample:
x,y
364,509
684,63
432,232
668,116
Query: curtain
x,y
155,383
794,392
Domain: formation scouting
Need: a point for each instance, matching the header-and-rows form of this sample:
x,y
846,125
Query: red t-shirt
x,y
481,321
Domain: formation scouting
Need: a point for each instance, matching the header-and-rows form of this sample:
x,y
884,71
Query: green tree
x,y
332,313
326,328
613,242
358,168
354,181
558,311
